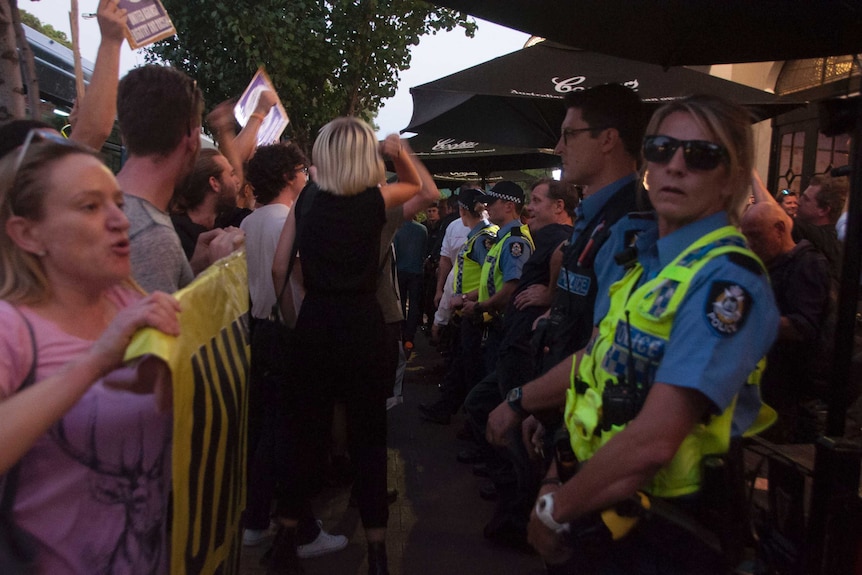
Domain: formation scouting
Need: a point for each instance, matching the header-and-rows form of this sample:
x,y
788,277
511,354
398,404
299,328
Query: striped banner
x,y
209,363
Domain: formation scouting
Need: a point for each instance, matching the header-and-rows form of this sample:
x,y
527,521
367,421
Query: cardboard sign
x,y
276,120
148,22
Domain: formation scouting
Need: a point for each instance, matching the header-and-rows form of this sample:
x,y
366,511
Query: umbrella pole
x,y
834,513
849,288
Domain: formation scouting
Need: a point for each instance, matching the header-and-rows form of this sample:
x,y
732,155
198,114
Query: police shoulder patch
x,y
488,243
516,249
727,307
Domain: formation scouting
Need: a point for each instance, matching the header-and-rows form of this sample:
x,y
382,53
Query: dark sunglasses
x,y
698,154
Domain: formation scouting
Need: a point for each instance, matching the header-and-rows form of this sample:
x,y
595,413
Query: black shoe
x,y
470,455
435,413
377,562
489,492
481,470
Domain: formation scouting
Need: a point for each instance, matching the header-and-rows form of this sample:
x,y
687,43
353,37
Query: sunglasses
x,y
783,193
698,154
38,135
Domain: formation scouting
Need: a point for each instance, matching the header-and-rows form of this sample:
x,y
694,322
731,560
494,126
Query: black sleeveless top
x,y
339,243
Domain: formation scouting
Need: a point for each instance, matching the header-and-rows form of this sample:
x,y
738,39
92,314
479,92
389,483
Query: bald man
x,y
800,279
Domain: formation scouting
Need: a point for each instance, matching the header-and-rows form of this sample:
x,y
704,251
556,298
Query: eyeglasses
x,y
572,131
303,169
698,154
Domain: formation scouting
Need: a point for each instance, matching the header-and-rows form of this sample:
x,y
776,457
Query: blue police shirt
x,y
592,204
698,355
515,252
480,248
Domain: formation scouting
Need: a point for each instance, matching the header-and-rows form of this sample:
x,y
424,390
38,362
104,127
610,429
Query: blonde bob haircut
x,y
347,158
730,125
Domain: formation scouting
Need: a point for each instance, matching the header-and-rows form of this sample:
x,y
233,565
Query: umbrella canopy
x,y
685,32
466,154
516,99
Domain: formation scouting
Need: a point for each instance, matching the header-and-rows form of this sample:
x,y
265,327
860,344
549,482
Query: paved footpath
x,y
435,526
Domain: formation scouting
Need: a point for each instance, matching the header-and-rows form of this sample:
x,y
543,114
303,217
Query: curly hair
x,y
272,168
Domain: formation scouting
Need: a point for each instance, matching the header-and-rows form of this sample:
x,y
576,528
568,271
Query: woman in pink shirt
x,y
93,460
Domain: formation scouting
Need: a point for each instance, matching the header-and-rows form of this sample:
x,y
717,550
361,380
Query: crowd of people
x,y
608,336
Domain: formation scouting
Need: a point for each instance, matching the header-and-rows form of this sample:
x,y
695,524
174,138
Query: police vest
x,y
571,318
611,386
467,270
491,280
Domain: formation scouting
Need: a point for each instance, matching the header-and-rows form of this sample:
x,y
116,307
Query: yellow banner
x,y
209,364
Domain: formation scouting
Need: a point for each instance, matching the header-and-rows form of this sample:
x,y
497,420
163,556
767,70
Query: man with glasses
x,y
600,142
159,110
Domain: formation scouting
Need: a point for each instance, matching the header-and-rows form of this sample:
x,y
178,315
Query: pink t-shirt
x,y
93,490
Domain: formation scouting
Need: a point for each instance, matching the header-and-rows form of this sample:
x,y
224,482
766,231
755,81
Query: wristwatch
x,y
514,401
545,513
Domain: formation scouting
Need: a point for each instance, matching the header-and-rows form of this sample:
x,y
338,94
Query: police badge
x,y
516,249
727,307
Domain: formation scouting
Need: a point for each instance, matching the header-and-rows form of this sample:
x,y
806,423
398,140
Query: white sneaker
x,y
325,543
393,401
254,537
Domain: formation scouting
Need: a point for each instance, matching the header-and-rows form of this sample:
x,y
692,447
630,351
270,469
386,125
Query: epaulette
x,y
627,258
516,232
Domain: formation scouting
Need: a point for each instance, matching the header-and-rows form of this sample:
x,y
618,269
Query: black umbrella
x,y
685,32
516,99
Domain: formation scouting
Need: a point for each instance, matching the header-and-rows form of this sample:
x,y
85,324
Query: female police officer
x,y
664,381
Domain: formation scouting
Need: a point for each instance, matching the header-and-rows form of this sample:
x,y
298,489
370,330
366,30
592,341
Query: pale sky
x,y
436,56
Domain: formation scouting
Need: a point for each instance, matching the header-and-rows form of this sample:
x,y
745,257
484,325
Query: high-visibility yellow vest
x,y
640,320
468,271
491,280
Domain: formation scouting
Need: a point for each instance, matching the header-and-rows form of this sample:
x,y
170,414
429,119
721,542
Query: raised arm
x,y
97,110
427,194
409,183
239,148
761,194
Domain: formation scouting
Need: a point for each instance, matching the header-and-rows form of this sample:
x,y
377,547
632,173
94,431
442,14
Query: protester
x,y
85,451
338,242
159,111
643,414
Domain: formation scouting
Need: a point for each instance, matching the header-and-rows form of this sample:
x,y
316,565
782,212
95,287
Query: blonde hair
x,y
728,123
347,158
22,193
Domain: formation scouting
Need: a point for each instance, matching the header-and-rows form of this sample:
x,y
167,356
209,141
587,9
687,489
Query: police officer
x,y
664,385
464,370
599,147
502,268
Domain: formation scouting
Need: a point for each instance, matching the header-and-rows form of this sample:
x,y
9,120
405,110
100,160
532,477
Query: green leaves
x,y
326,57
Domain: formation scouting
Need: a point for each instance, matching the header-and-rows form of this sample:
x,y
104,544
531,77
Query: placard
x,y
276,120
148,22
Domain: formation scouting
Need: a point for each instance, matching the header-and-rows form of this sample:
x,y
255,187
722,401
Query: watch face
x,y
514,395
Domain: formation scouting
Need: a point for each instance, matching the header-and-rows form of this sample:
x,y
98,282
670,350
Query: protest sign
x,y
275,121
148,22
